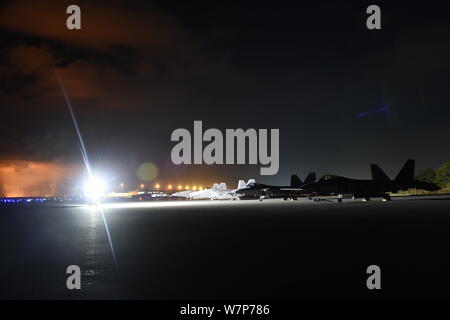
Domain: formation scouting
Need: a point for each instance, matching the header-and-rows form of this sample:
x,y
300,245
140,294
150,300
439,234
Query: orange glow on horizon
x,y
19,178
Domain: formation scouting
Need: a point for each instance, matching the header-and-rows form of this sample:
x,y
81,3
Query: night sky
x,y
342,96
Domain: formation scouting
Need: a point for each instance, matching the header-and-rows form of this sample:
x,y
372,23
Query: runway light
x,y
157,186
94,188
169,187
187,188
180,187
194,188
142,186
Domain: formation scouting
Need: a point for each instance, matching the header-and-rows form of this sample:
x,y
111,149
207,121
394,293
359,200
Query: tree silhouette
x,y
443,175
427,175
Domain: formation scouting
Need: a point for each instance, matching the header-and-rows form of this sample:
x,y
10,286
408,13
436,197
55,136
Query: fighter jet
x,y
217,192
404,180
204,194
181,194
379,186
226,194
253,189
209,193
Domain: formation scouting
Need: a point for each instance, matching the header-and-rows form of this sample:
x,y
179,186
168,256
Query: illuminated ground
x,y
225,249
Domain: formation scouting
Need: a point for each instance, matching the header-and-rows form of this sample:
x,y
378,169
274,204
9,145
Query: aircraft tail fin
x,y
295,181
241,184
407,172
378,174
310,178
215,186
250,181
222,186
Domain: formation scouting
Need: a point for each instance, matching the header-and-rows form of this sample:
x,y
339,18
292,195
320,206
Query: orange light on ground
x,y
169,187
187,188
142,186
180,187
157,186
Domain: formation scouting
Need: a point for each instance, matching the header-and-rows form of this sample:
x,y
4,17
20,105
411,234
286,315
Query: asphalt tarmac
x,y
228,249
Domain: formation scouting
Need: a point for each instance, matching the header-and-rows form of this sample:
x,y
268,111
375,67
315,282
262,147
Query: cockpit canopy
x,y
329,177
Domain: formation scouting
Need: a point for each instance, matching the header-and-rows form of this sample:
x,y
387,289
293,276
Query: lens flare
x,y
147,171
86,163
94,188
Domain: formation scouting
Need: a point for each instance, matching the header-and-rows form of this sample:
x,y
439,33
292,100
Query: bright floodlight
x,y
94,188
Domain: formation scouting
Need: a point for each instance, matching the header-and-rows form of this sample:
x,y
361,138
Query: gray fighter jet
x,y
263,191
379,186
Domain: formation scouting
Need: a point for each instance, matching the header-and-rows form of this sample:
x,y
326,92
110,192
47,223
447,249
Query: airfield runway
x,y
228,249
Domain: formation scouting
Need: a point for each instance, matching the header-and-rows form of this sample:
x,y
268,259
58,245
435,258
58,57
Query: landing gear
x,y
387,197
365,199
340,198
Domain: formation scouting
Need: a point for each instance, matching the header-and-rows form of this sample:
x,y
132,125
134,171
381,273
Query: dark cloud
x,y
105,24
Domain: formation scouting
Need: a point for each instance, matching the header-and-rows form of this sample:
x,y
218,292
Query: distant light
x,y
180,187
194,188
169,187
94,188
142,186
187,188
